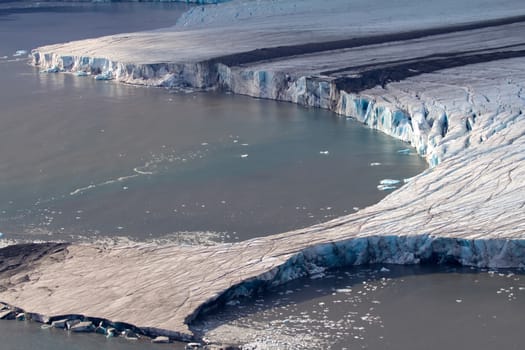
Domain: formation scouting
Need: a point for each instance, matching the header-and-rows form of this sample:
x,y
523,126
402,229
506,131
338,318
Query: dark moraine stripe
x,y
308,48
20,258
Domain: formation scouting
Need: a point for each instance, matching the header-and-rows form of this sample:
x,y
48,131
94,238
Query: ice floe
x,y
104,76
20,53
389,182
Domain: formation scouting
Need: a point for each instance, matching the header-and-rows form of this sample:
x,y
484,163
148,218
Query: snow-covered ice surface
x,y
456,93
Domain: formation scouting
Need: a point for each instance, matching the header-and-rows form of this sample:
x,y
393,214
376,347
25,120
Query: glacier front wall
x,y
421,126
417,249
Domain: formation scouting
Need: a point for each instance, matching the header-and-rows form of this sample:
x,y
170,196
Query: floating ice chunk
x,y
204,144
244,155
20,53
385,187
404,151
458,301
384,269
389,182
81,73
344,290
407,180
317,275
104,76
233,302
4,57
375,164
141,172
1,234
53,69
324,152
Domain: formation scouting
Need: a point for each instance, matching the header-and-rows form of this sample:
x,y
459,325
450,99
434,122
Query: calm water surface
x,y
383,307
84,159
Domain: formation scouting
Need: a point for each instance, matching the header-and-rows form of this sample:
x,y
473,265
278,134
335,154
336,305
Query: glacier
x,y
449,82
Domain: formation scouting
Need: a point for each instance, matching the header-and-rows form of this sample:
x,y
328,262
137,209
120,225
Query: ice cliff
x,y
451,86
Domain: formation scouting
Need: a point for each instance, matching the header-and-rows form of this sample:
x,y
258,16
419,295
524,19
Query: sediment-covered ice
x,y
454,93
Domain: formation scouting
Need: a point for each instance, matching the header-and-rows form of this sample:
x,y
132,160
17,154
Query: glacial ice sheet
x,y
466,120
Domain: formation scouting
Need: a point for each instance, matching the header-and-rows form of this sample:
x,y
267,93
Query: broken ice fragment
x,y
389,182
375,164
81,73
244,155
404,151
323,152
19,53
104,76
384,269
1,234
53,69
385,187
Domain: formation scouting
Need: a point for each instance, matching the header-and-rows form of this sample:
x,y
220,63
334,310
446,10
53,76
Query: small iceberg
x,y
81,73
385,187
4,57
1,234
323,152
53,69
389,182
20,53
104,76
404,151
375,164
244,156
